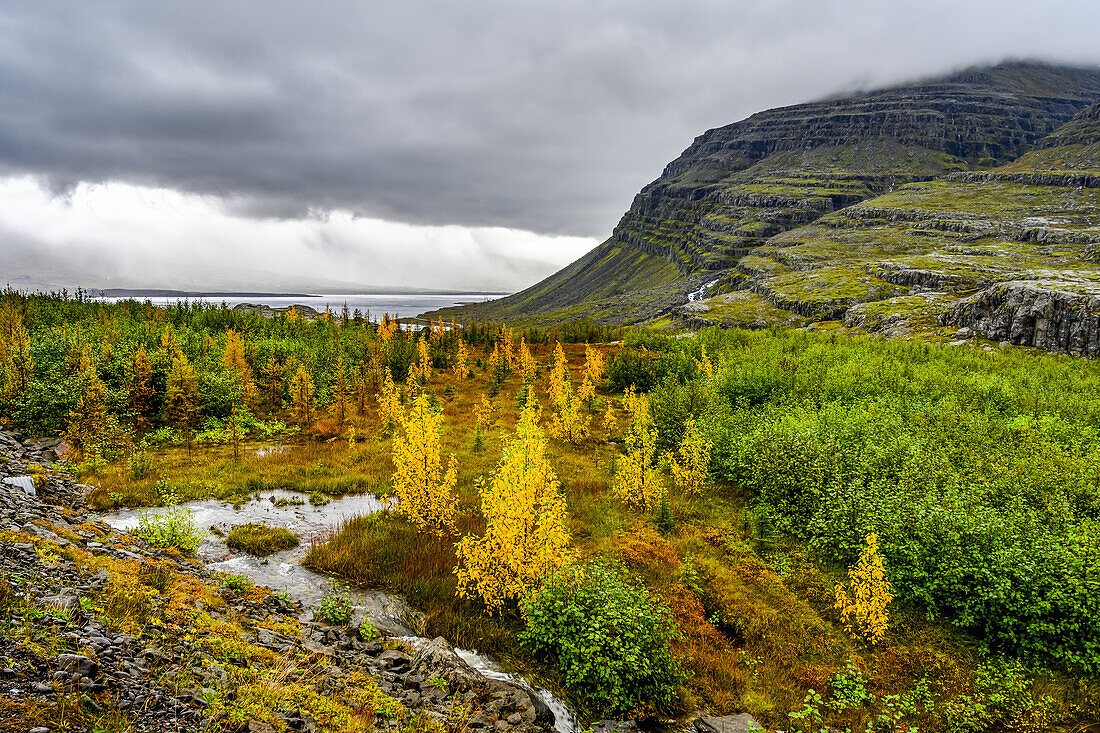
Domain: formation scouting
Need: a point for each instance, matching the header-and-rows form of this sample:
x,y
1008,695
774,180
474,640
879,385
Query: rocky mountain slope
x,y
801,213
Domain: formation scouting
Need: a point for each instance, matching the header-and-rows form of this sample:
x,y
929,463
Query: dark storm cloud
x,y
535,115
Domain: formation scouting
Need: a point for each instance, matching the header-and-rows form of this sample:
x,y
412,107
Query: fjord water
x,y
402,305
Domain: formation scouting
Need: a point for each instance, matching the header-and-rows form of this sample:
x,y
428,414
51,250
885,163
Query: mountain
x,y
886,209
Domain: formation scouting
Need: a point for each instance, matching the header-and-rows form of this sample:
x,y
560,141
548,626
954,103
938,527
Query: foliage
x,y
637,479
389,404
692,460
181,404
425,493
594,368
866,609
525,536
977,472
525,363
335,605
483,413
234,581
172,527
302,397
609,637
461,366
260,539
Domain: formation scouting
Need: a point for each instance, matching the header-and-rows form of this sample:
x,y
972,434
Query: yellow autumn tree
x,y
387,329
233,359
421,370
525,536
610,422
560,384
691,462
637,481
704,364
569,422
425,493
483,413
507,347
389,404
461,366
525,363
865,611
594,366
301,397
498,364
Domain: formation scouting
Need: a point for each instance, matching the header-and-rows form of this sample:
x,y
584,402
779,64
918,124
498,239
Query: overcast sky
x,y
479,143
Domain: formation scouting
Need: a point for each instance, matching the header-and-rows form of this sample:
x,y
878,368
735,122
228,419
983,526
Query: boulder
x,y
77,665
743,723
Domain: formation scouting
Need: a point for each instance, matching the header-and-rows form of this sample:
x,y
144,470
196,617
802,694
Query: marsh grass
x,y
260,539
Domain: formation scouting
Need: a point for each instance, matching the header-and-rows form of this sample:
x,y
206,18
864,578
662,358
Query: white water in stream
x,y
283,571
695,295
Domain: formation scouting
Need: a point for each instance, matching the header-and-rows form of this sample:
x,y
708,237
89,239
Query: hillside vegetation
x,y
819,530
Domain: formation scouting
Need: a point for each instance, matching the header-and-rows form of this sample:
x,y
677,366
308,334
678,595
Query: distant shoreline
x,y
153,293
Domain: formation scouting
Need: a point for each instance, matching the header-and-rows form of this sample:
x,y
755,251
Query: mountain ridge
x,y
737,187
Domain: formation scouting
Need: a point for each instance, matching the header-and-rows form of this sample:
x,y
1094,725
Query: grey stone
x,y
743,723
77,665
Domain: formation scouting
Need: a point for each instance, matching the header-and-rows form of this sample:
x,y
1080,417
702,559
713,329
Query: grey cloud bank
x,y
536,117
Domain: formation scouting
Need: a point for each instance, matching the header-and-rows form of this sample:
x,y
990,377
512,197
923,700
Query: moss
x,y
831,285
746,309
260,539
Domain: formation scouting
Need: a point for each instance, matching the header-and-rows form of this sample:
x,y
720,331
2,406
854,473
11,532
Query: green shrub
x,y
977,471
174,527
335,605
260,539
234,582
608,636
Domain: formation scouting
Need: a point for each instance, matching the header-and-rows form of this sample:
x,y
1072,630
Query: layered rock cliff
x,y
820,207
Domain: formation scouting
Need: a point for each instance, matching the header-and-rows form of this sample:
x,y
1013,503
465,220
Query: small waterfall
x,y
697,295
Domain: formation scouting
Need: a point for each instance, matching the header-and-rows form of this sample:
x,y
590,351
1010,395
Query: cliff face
x,y
724,211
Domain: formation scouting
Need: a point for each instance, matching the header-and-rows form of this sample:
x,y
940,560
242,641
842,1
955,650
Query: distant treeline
x,y
58,349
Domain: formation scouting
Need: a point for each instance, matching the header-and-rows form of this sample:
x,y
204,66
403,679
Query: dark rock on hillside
x,y
1044,315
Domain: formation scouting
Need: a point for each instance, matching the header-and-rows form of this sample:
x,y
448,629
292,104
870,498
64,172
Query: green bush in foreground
x,y
260,540
175,527
608,636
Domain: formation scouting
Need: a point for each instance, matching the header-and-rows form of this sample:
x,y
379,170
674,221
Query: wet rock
x,y
394,660
743,723
615,726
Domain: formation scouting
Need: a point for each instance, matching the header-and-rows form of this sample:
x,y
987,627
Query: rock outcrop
x,y
1043,315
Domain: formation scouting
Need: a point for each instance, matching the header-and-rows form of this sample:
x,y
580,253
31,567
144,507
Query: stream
x,y
696,295
283,571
